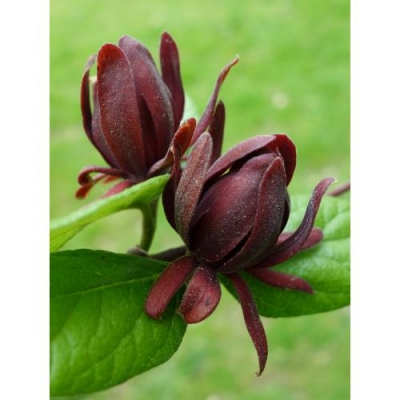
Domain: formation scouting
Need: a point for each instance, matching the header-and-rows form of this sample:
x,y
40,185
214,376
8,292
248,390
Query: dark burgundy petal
x,y
267,218
315,237
225,215
168,195
293,244
286,148
191,184
287,212
98,138
82,192
176,151
167,285
256,144
85,99
170,70
84,176
119,114
180,140
87,182
240,151
202,295
91,121
154,99
252,319
209,111
281,280
216,130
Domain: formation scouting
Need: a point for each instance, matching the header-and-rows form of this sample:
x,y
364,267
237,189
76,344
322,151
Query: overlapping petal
x,y
295,242
168,284
266,219
191,184
230,212
136,112
120,118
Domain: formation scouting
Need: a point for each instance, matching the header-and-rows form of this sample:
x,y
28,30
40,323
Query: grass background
x,y
293,78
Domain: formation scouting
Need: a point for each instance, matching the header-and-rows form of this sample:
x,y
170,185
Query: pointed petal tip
x,y
166,36
252,319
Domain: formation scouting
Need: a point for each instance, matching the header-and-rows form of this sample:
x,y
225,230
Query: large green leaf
x,y
326,266
64,229
100,335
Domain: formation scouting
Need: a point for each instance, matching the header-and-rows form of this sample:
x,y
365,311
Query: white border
x,y
24,110
375,132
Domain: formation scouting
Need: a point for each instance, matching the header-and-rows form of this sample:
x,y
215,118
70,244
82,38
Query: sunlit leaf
x,y
100,335
64,229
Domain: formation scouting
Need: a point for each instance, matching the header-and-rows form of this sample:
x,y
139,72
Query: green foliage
x,y
64,229
325,266
100,335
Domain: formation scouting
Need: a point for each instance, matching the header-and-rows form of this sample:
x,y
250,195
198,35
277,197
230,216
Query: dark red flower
x,y
136,112
230,212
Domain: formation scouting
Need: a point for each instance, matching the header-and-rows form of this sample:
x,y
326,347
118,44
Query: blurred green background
x,y
293,78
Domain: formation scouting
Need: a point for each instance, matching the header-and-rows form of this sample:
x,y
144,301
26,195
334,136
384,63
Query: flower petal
x,y
85,99
315,237
205,119
87,182
281,280
178,147
168,284
119,114
216,130
252,319
225,214
84,176
154,100
170,70
267,218
98,138
202,295
266,143
286,148
181,140
91,121
191,184
294,243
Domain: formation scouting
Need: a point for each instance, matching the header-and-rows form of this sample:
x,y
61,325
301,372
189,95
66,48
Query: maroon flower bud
x,y
231,212
136,112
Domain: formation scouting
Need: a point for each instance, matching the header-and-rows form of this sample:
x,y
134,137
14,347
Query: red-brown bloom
x,y
230,212
136,112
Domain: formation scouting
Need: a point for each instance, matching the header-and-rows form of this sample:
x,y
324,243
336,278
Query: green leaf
x,y
100,335
326,266
64,229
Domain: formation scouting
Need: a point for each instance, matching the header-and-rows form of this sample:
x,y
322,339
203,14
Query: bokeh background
x,y
293,78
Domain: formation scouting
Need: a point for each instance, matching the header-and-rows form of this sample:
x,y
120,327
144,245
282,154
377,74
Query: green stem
x,y
149,213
